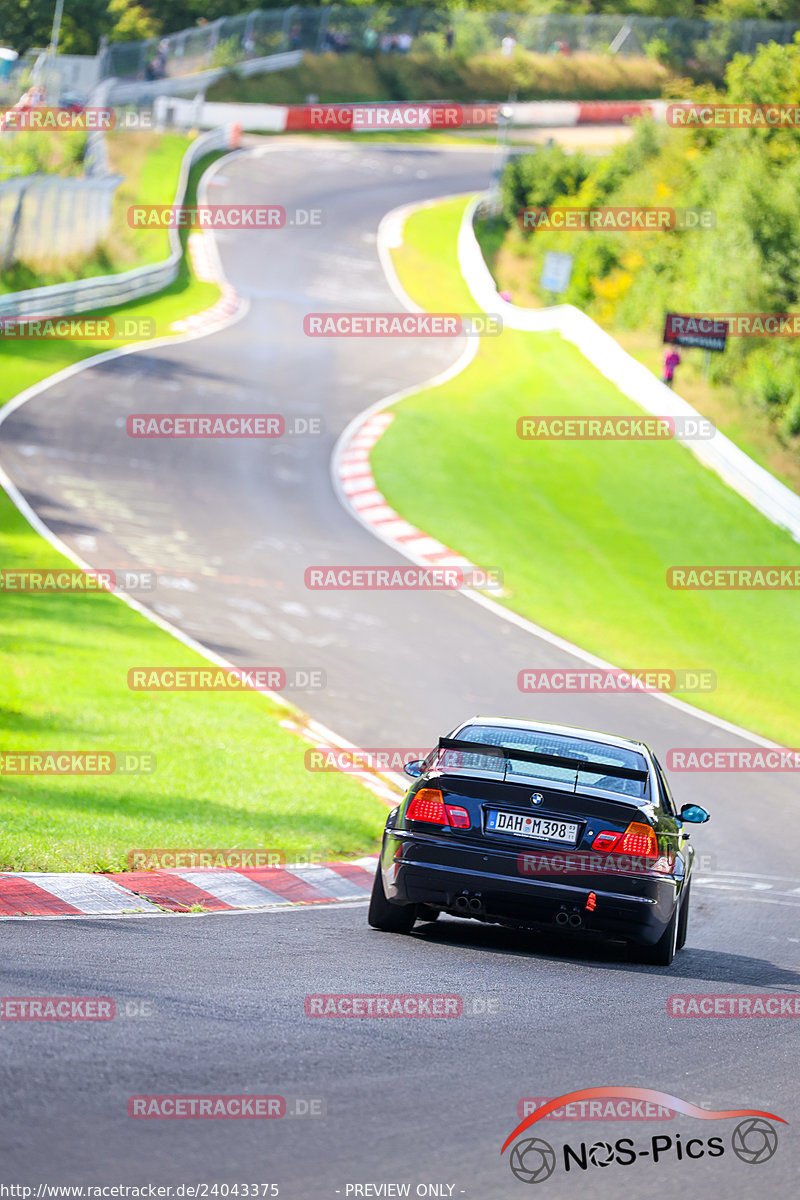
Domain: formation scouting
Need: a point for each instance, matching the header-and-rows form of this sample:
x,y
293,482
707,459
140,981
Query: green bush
x,y
749,262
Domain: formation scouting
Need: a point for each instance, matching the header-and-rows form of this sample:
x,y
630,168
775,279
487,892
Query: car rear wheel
x,y
391,918
663,952
683,919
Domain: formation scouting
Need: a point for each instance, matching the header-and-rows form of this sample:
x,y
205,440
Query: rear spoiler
x,y
535,756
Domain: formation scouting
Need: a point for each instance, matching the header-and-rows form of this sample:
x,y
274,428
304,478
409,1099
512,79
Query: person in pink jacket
x,y
671,360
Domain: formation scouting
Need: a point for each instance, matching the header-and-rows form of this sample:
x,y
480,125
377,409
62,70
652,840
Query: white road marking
x,y
232,888
90,893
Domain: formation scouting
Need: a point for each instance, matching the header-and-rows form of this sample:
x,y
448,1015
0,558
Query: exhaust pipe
x,y
462,903
562,918
475,905
576,920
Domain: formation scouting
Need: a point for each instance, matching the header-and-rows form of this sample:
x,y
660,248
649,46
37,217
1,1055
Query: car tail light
x,y
428,805
639,840
459,817
606,840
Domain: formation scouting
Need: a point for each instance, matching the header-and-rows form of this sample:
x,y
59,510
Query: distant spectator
x,y
388,43
404,42
508,45
295,37
370,40
449,37
336,41
249,45
671,360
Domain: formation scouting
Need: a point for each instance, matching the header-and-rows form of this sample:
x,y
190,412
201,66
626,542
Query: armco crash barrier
x,y
103,291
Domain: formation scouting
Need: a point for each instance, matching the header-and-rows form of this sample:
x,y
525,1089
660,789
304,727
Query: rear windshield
x,y
547,743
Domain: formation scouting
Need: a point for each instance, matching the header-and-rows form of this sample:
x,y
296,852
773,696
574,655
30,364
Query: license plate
x,y
532,827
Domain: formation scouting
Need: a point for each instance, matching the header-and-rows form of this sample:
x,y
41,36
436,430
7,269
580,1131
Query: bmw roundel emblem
x,y
537,798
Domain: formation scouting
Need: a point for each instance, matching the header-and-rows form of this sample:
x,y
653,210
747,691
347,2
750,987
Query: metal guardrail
x,y
86,295
142,91
766,493
46,216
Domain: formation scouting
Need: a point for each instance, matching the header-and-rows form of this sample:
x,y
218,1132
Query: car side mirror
x,y
695,814
414,769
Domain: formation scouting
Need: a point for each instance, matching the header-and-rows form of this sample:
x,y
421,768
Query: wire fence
x,y
694,45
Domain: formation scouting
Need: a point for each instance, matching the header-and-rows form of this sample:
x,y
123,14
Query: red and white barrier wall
x,y
330,118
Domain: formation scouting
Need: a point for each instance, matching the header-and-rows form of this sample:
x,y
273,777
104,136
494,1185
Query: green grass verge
x,y
422,75
227,773
585,531
150,165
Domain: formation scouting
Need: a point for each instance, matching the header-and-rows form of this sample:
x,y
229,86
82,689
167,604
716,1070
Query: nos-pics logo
x,y
754,1140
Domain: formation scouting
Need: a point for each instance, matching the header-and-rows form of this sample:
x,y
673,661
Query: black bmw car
x,y
529,826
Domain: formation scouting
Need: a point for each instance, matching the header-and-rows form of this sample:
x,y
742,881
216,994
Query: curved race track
x,y
407,1101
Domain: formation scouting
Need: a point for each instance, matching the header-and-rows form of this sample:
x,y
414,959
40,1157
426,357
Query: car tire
x,y
683,919
391,918
662,953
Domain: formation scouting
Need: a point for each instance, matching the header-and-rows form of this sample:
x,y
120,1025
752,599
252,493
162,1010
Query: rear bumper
x,y
423,870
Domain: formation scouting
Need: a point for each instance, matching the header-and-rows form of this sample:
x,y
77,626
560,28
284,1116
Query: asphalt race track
x,y
234,525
